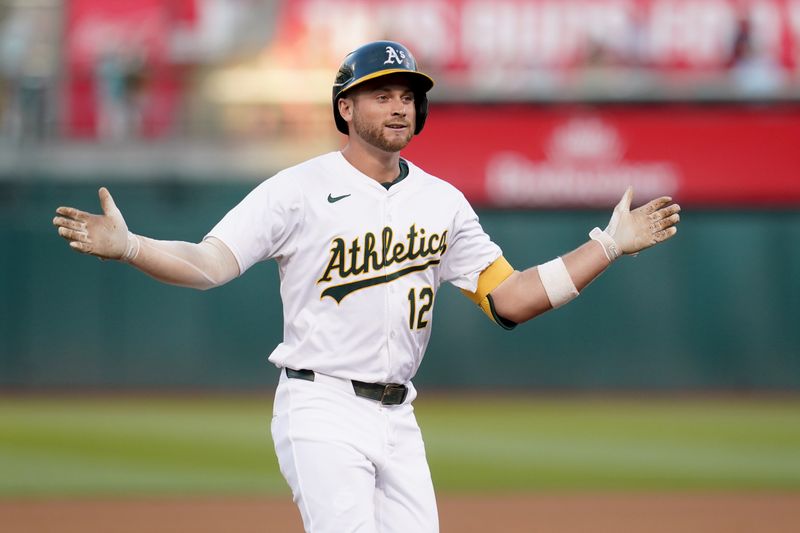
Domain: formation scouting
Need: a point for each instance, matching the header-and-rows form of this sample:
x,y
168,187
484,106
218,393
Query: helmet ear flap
x,y
422,112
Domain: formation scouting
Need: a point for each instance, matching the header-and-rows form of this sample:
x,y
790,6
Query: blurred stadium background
x,y
543,112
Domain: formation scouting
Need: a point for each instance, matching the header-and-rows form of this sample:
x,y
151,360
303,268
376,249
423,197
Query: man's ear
x,y
346,108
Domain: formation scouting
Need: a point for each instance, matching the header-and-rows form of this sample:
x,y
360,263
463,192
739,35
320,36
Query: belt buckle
x,y
390,389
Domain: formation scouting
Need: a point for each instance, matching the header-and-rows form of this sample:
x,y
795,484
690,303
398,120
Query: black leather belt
x,y
385,393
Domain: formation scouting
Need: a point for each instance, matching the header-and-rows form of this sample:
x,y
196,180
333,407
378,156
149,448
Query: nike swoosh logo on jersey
x,y
333,199
338,292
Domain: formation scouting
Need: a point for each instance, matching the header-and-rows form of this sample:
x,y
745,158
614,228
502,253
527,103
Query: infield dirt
x,y
551,513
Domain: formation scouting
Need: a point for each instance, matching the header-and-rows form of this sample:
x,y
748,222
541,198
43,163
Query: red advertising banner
x,y
529,156
472,41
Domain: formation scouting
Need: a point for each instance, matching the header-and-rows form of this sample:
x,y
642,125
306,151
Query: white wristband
x,y
557,282
131,249
610,247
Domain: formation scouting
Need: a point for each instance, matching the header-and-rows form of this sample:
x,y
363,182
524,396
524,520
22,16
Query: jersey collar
x,y
400,177
386,188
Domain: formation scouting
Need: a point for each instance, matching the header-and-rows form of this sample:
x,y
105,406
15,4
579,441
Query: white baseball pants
x,y
354,465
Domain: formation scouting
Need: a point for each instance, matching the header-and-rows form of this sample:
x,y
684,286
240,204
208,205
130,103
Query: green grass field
x,y
119,445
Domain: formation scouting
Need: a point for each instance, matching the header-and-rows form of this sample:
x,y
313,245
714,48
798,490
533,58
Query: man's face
x,y
383,113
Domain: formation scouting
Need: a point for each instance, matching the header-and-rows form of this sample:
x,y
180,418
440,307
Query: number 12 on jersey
x,y
423,300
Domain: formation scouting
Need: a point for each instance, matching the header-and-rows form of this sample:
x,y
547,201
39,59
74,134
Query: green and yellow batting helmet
x,y
376,59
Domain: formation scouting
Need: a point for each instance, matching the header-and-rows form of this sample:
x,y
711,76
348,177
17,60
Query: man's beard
x,y
373,134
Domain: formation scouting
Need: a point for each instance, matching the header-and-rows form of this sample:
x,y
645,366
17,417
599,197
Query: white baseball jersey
x,y
359,264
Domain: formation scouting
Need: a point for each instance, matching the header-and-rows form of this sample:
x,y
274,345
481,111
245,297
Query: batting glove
x,y
630,232
105,236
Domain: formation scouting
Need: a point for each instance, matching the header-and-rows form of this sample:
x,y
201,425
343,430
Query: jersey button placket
x,y
388,289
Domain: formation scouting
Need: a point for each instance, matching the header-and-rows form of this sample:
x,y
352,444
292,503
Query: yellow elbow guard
x,y
488,281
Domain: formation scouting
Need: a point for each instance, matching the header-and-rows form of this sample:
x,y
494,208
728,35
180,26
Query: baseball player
x,y
363,239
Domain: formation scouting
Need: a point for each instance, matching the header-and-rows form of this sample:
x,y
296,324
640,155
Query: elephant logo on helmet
x,y
394,56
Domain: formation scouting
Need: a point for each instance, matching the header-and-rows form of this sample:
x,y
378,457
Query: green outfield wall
x,y
716,308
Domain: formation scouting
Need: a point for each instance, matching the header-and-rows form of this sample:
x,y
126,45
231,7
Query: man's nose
x,y
399,107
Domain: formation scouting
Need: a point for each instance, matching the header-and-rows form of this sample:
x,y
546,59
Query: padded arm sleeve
x,y
488,280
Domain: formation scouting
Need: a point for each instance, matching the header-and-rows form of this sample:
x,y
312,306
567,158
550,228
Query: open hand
x,y
105,236
650,224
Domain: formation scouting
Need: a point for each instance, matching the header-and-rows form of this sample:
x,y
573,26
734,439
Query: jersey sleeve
x,y
262,225
475,264
469,250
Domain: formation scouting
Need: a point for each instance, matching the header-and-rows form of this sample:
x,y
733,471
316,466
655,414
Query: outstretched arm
x,y
526,294
198,265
